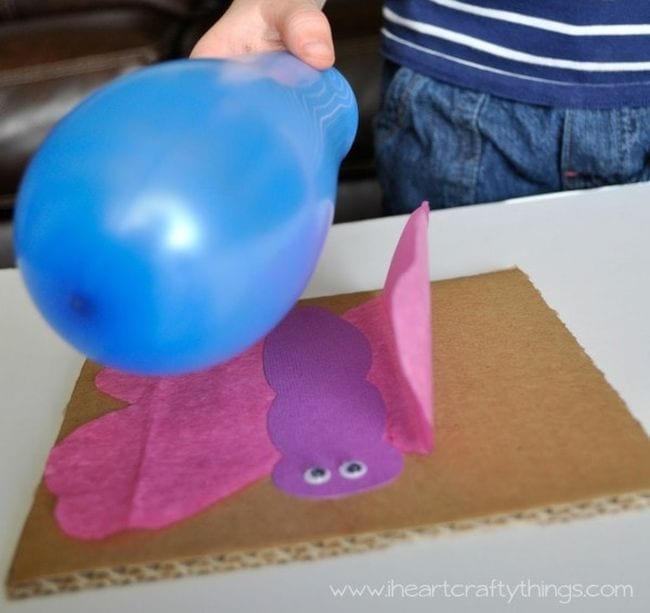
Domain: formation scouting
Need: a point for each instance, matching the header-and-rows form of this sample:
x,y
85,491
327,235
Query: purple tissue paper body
x,y
327,420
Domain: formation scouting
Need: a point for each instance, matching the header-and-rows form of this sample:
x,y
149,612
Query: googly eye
x,y
353,469
317,475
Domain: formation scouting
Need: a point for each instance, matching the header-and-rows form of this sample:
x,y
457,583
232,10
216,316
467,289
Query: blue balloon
x,y
174,217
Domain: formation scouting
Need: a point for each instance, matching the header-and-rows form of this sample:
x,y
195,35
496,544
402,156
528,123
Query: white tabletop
x,y
588,253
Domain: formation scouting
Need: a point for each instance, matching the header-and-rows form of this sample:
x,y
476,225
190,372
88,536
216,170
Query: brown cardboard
x,y
524,422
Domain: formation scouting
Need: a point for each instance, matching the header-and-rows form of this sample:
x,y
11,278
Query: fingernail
x,y
317,48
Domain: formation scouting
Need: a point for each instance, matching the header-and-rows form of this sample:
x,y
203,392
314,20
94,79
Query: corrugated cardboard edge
x,y
358,543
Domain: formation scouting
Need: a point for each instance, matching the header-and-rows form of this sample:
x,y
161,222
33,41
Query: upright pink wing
x,y
398,325
182,444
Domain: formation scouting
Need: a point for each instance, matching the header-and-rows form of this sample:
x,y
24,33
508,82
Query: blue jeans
x,y
454,146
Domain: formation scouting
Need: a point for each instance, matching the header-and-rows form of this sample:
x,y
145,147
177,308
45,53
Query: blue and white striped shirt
x,y
568,53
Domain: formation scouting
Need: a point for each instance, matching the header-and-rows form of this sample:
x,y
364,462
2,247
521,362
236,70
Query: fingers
x,y
304,30
211,44
254,26
241,30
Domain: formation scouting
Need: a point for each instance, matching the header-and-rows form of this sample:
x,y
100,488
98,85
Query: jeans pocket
x,y
391,115
427,143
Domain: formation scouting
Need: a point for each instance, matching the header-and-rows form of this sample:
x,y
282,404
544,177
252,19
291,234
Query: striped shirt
x,y
568,53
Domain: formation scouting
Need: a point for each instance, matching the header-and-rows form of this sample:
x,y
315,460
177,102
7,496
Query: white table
x,y
588,253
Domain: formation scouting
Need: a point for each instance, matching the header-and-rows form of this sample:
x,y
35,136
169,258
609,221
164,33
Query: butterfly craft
x,y
326,404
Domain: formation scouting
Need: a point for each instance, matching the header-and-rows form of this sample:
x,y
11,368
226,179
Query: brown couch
x,y
54,52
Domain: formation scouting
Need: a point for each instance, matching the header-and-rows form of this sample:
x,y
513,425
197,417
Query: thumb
x,y
305,31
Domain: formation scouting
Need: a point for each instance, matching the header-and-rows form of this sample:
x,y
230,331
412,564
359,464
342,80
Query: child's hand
x,y
253,26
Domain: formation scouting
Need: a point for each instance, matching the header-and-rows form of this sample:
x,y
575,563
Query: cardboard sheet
x,y
525,423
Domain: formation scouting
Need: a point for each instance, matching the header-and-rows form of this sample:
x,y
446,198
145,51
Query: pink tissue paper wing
x,y
185,443
402,363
